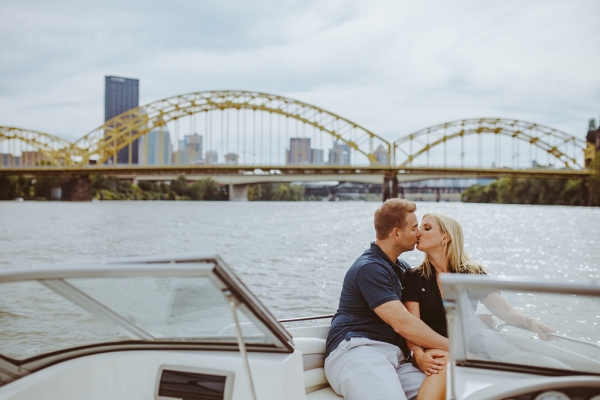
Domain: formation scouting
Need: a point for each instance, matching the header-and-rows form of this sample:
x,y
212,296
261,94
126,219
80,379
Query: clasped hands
x,y
429,361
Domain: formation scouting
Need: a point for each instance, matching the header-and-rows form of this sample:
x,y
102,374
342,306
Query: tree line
x,y
538,191
111,188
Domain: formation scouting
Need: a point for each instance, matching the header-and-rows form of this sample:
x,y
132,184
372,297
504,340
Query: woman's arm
x,y
428,362
503,310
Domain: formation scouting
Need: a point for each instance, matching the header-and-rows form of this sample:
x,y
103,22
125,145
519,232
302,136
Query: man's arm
x,y
430,362
410,327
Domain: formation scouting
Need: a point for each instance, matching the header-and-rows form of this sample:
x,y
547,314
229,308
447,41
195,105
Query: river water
x,y
294,255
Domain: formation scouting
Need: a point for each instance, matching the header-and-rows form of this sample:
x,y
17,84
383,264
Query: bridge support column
x,y
238,192
586,196
77,188
390,185
438,195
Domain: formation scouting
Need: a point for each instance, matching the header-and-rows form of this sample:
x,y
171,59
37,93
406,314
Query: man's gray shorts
x,y
364,369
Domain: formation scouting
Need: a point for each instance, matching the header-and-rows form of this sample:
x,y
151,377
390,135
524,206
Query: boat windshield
x,y
573,314
193,306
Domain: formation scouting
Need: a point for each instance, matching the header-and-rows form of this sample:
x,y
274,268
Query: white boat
x,y
187,328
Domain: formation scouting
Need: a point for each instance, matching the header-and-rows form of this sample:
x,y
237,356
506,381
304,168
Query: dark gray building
x,y
120,95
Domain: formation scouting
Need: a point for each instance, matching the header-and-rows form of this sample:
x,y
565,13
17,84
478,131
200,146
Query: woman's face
x,y
431,235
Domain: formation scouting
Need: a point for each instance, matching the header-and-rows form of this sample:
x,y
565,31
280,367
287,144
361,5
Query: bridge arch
x,y
560,145
48,148
105,141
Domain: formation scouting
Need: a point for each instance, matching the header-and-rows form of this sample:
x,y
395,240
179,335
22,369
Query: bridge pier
x,y
586,195
77,188
390,185
238,192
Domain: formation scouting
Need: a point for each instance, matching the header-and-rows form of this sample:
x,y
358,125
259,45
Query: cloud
x,y
393,67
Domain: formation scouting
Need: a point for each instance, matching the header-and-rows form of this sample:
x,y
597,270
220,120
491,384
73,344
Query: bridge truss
x,y
25,147
520,141
244,128
263,118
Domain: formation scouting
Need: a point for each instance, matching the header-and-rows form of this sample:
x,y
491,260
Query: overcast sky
x,y
392,66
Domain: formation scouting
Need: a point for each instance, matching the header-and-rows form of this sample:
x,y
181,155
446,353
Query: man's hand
x,y
430,361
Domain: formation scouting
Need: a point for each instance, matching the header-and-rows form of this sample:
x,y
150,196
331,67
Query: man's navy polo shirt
x,y
371,281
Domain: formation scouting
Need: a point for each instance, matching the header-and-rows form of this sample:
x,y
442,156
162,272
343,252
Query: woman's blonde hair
x,y
458,260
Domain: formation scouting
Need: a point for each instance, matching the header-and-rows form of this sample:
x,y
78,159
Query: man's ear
x,y
396,233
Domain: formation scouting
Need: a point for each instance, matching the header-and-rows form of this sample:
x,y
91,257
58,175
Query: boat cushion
x,y
315,378
310,345
311,361
323,394
313,358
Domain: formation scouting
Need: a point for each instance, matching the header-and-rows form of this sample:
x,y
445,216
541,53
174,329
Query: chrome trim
x,y
112,270
524,284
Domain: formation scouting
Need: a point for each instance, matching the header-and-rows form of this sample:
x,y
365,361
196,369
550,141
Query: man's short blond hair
x,y
392,214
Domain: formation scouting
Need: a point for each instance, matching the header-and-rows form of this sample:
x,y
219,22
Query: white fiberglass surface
x,y
36,320
575,318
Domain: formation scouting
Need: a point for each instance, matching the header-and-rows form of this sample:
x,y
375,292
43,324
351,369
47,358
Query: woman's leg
x,y
434,386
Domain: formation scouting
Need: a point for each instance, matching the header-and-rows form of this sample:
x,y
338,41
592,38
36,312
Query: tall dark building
x,y
120,95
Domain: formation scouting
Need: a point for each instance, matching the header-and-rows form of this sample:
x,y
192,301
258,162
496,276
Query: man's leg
x,y
410,376
361,369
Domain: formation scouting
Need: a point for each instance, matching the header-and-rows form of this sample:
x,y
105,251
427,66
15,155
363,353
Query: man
x,y
363,360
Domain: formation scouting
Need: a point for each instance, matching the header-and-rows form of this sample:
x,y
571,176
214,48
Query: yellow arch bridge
x,y
241,137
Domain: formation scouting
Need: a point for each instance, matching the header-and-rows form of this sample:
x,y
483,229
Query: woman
x,y
442,243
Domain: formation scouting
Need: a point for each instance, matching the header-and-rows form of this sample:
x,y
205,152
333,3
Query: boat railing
x,y
299,319
556,335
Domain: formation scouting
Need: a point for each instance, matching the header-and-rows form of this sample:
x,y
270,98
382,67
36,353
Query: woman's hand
x,y
430,361
488,320
540,328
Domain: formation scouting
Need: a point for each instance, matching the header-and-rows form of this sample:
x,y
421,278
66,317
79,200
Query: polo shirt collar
x,y
376,249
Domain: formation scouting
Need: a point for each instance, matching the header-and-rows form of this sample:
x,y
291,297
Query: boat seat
x,y
313,358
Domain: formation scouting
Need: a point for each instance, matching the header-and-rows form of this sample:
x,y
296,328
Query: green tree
x,y
43,186
526,191
572,192
148,186
180,186
9,188
205,189
275,192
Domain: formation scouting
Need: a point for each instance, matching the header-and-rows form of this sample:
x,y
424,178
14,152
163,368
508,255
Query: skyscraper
x,y
120,95
212,157
189,151
300,152
381,155
339,154
155,148
318,157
